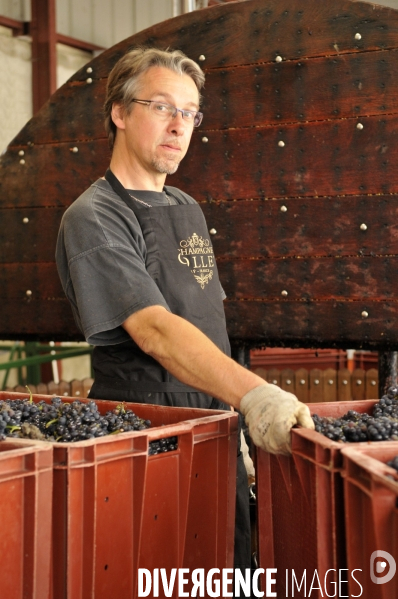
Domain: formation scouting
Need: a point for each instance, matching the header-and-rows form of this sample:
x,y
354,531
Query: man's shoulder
x,y
181,195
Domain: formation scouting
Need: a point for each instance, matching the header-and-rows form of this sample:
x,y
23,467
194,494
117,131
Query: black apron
x,y
180,260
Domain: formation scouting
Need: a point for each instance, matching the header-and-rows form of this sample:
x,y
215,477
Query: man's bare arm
x,y
189,355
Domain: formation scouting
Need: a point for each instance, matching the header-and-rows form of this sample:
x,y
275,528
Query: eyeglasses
x,y
167,111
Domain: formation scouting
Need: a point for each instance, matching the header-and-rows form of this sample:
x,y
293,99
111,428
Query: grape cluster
x,y
64,422
353,427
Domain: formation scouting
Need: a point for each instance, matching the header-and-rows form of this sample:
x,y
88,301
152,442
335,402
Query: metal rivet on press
x,y
283,209
274,382
28,293
316,382
21,153
284,293
25,220
345,382
77,393
89,70
358,36
281,144
330,381
364,314
75,149
359,126
89,80
363,227
359,382
202,57
373,383
65,393
288,382
205,140
302,381
22,161
278,59
212,231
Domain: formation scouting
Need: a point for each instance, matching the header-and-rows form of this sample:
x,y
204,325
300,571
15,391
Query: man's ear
x,y
117,115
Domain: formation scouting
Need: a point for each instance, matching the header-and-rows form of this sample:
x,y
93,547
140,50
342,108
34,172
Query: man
x,y
126,255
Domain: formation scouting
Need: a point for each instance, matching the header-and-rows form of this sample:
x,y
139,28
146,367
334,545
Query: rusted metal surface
x,y
294,167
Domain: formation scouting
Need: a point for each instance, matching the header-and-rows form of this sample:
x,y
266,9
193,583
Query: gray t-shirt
x,y
101,256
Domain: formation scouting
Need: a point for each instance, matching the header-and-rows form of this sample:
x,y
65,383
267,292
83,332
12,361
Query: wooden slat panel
x,y
316,387
39,278
274,376
358,384
38,319
288,380
51,175
260,372
364,278
259,228
313,324
33,241
344,385
242,33
324,88
332,87
372,384
244,229
318,159
329,379
302,386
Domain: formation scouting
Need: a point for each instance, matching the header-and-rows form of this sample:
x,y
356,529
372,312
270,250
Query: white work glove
x,y
270,413
247,459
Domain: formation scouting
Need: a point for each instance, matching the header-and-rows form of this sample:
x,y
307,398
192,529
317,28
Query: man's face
x,y
159,145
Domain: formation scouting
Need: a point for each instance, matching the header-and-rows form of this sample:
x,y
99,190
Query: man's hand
x,y
270,413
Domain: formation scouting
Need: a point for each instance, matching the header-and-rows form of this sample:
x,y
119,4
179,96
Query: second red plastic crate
x,y
300,503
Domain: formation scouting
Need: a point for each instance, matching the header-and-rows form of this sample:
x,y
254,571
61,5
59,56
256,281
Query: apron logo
x,y
197,253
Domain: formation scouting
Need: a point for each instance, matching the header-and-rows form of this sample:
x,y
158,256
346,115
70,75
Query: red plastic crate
x,y
300,506
116,509
371,511
25,519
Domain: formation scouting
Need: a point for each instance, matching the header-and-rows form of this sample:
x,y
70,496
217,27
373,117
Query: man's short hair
x,y
124,79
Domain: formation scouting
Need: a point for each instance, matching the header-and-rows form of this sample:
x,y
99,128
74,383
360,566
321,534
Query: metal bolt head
x,y
202,57
278,58
359,382
212,231
25,220
28,292
373,383
330,381
274,382
359,126
363,227
345,382
205,140
65,393
89,80
75,149
77,393
283,209
316,382
89,70
288,382
281,143
21,153
358,36
22,161
364,314
302,381
284,293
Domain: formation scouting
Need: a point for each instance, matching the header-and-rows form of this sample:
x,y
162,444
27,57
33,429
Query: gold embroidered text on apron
x,y
197,253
